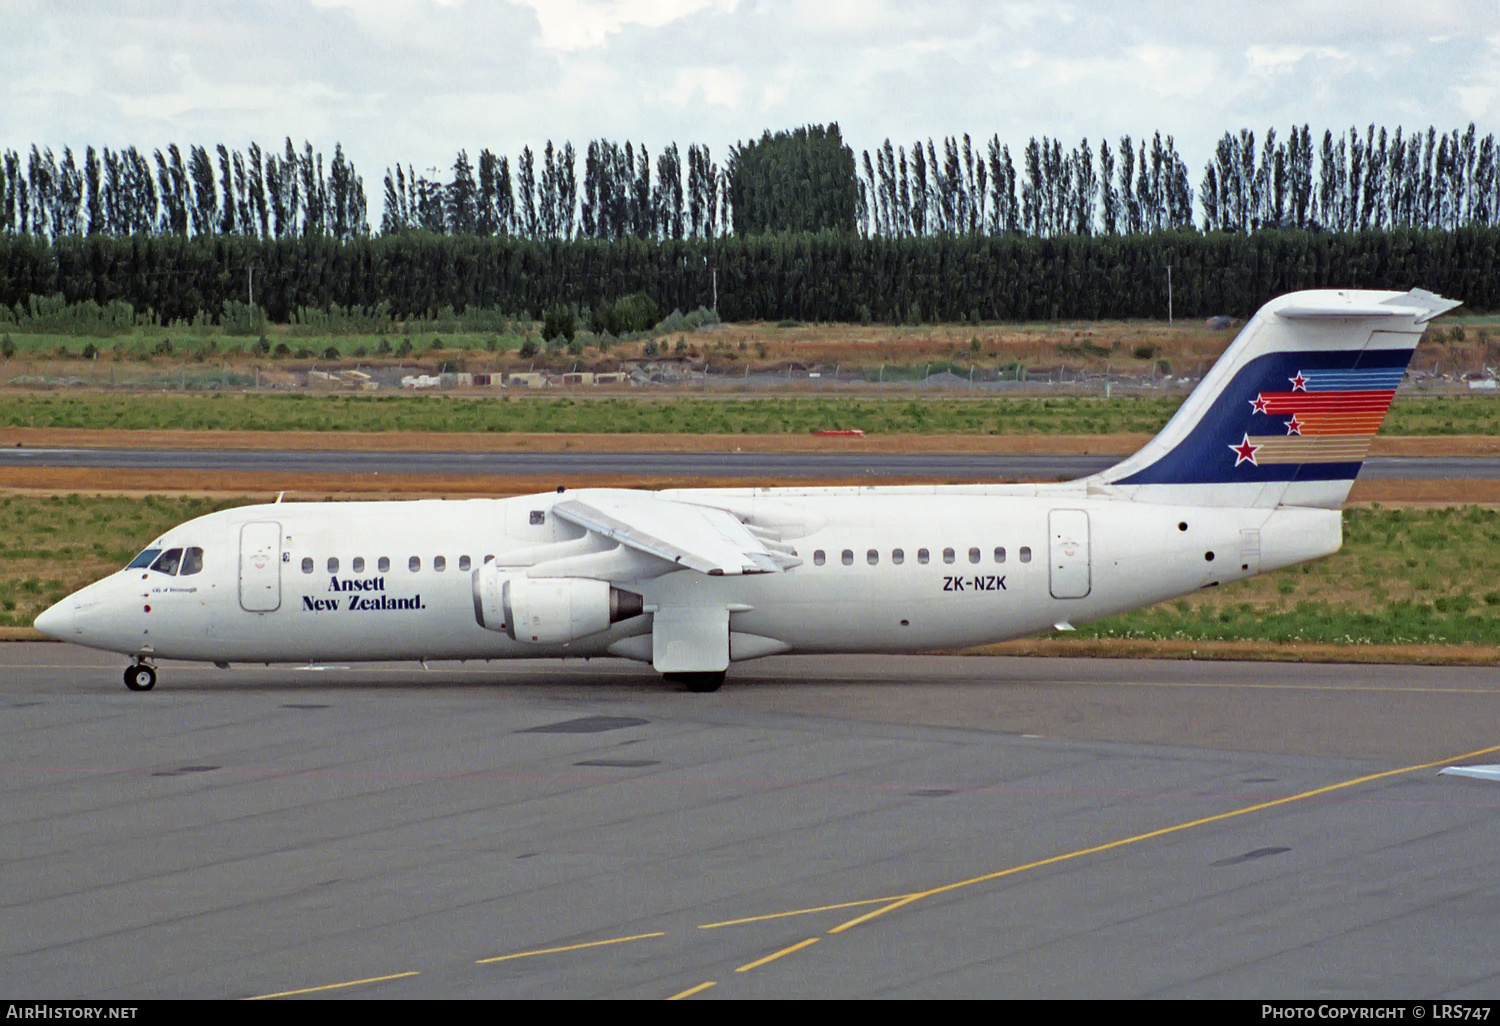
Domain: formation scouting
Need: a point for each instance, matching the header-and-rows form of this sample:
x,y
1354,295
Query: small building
x,y
340,381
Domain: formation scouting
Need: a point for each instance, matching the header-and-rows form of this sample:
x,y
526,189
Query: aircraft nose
x,y
59,621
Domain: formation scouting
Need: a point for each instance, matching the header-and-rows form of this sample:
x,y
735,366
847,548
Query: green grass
x,y
1403,576
686,415
205,345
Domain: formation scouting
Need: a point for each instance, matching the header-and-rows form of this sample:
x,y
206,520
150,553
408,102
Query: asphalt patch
x,y
587,725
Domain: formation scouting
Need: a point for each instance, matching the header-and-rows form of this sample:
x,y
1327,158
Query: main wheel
x,y
700,683
140,677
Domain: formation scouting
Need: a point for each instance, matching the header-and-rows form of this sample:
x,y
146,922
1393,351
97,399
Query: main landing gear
x,y
701,683
140,677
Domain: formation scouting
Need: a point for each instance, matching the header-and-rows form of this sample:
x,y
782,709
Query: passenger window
x,y
489,559
333,564
144,559
973,555
463,562
999,553
383,564
358,565
307,564
439,563
872,557
538,517
167,562
192,562
414,564
923,557
1025,554
898,557
848,557
948,556
819,558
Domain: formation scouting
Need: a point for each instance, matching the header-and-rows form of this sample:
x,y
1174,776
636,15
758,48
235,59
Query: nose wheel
x,y
140,677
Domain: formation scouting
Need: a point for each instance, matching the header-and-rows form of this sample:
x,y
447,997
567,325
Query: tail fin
x,y
1287,414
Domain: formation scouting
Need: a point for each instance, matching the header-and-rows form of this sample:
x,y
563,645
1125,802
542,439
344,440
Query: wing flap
x,y
708,540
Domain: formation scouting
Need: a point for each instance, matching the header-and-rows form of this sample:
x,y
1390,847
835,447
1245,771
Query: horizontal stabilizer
x,y
1418,304
710,541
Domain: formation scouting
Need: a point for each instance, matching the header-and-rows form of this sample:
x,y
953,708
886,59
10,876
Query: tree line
x,y
830,275
1425,180
805,180
227,192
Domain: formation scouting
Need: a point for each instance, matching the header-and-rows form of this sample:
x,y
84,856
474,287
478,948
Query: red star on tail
x,y
1245,452
1259,405
1299,383
1294,426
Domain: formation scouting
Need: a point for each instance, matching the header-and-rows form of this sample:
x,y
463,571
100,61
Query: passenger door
x,y
260,567
1068,553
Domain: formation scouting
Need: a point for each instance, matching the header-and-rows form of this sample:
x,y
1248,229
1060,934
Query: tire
x,y
698,683
140,677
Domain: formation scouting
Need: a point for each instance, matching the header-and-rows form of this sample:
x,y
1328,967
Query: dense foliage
x,y
802,181
828,276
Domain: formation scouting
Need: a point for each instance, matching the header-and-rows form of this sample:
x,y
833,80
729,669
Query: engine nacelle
x,y
548,610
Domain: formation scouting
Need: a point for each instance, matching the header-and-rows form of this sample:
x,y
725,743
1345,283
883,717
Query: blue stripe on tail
x,y
1220,449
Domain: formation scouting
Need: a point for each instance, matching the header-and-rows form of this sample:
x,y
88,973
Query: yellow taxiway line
x,y
331,986
569,947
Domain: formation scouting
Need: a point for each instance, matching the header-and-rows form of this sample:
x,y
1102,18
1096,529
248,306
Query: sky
x,y
414,81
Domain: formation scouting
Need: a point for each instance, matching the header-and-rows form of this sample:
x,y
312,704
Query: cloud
x,y
416,80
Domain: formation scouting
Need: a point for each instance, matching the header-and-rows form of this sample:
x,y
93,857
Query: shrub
x,y
635,312
529,348
558,322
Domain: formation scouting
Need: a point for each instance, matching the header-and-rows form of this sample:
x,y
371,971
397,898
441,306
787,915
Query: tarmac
x,y
822,827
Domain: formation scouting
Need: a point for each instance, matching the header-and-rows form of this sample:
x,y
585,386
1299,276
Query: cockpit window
x,y
167,562
192,561
144,559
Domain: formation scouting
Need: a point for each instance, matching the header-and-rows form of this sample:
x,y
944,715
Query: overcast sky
x,y
415,80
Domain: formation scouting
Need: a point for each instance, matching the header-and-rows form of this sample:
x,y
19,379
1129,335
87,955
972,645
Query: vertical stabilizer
x,y
1287,414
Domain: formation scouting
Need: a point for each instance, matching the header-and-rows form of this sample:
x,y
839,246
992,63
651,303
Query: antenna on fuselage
x,y
278,497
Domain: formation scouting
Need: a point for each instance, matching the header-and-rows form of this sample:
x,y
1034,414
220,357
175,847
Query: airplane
x,y
1247,477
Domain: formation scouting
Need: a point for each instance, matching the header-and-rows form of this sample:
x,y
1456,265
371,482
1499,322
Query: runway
x,y
822,827
966,466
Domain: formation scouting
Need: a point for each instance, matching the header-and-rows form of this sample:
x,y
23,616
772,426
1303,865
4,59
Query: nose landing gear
x,y
140,677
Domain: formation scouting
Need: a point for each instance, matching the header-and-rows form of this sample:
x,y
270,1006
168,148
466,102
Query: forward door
x,y
260,567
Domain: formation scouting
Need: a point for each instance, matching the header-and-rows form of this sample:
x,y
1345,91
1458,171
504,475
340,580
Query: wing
x,y
710,541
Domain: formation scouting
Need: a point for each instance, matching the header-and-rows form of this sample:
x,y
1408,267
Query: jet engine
x,y
548,610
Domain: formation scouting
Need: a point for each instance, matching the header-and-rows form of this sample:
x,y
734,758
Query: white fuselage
x,y
1000,562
